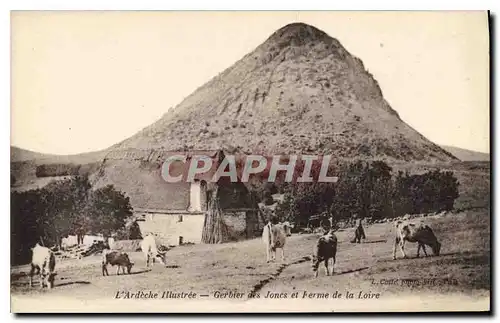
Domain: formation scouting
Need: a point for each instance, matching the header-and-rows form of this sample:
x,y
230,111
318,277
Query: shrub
x,y
369,190
51,170
434,191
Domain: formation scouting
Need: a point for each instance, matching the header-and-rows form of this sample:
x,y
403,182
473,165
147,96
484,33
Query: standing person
x,y
359,232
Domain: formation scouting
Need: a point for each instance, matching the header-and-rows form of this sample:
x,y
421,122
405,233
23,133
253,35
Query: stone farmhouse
x,y
180,215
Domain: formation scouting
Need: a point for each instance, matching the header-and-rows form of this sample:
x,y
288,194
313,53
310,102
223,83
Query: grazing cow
x,y
115,258
324,250
359,233
415,232
151,251
43,262
274,237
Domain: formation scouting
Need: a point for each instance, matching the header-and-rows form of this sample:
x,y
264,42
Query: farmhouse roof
x,y
141,178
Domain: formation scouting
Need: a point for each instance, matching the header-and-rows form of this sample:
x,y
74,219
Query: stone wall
x,y
126,245
236,223
169,226
255,223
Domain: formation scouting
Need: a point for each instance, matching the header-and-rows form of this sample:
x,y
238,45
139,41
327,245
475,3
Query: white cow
x,y
415,232
43,262
150,250
274,237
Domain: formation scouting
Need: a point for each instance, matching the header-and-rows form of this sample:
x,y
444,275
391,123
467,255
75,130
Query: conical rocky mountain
x,y
300,91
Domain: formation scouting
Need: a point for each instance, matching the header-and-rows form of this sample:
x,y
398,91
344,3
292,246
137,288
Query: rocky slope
x,y
298,92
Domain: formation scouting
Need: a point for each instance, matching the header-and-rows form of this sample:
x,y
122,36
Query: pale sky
x,y
83,81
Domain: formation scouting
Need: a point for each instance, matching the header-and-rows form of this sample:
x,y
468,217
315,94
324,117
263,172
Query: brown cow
x,y
115,258
324,250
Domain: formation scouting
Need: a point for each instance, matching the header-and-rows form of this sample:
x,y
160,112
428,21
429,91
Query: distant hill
x,y
19,154
466,155
30,169
24,155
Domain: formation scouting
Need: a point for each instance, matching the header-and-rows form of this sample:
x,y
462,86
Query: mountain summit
x,y
297,34
300,91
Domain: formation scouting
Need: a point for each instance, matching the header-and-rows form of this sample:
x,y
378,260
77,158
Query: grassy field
x,y
461,273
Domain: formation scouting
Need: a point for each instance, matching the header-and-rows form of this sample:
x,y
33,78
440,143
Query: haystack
x,y
214,228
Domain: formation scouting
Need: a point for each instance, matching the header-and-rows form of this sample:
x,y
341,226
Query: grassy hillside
x,y
467,155
23,155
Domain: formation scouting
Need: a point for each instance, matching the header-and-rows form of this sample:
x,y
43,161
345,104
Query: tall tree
x,y
107,211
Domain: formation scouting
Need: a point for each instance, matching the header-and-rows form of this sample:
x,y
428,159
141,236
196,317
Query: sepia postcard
x,y
250,161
